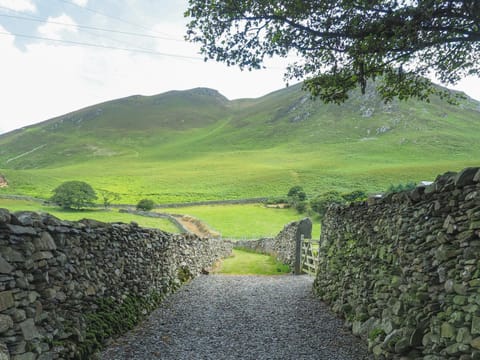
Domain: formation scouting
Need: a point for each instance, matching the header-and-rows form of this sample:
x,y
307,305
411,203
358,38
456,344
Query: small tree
x,y
74,195
297,192
296,198
321,202
145,205
108,196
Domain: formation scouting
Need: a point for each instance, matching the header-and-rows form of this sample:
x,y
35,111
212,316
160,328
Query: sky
x,y
58,56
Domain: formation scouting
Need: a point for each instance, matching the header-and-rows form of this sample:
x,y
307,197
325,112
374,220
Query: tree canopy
x,y
339,45
145,205
74,194
108,197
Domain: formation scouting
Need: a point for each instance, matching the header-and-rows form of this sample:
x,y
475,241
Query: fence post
x,y
304,230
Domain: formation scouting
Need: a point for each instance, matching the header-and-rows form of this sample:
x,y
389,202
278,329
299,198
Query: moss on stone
x,y
112,318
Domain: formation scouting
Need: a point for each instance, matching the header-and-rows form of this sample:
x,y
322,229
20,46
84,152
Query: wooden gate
x,y
309,256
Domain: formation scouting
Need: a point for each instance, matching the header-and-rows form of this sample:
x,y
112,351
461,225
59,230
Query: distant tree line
x,y
79,194
76,195
318,204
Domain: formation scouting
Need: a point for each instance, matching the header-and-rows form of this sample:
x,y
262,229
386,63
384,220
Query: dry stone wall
x,y
404,270
66,286
284,246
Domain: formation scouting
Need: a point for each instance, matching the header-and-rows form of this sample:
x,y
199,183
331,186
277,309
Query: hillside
x,y
198,145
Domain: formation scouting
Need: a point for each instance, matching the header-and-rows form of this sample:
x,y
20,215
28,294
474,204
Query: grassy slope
x,y
187,146
248,263
251,221
99,215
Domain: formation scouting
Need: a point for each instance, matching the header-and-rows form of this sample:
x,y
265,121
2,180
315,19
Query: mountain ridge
x,y
197,136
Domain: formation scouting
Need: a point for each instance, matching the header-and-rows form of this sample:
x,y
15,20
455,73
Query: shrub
x,y
301,206
297,193
74,194
108,196
145,205
357,195
297,198
320,203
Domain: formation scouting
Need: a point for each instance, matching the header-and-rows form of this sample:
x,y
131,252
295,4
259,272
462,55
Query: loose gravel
x,y
240,317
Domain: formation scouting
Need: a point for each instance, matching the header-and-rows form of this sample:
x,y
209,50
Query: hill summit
x,y
268,143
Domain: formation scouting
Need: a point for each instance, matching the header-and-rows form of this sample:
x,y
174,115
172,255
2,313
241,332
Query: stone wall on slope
x,y
284,246
404,270
66,286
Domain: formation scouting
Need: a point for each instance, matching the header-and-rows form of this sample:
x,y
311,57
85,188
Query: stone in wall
x,y
58,277
285,245
404,270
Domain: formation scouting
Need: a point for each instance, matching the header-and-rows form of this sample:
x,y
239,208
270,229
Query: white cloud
x,y
19,5
55,27
81,3
470,85
46,80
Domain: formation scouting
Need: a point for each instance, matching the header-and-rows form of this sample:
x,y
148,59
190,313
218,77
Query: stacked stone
x,y
282,246
53,272
404,270
169,217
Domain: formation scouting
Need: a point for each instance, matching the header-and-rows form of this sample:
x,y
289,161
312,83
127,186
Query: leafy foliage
x,y
297,198
108,197
74,195
145,205
356,195
297,192
341,44
321,202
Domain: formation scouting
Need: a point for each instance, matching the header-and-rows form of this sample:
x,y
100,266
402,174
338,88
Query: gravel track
x,y
240,317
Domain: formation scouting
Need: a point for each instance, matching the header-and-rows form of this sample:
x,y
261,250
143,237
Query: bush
x,y
301,206
108,196
320,203
357,195
297,198
145,205
74,194
297,193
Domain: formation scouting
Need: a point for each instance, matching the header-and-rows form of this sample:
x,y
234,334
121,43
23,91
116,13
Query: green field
x,y
249,221
95,214
249,263
196,145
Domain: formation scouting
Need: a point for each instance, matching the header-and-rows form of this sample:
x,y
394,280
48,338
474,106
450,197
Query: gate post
x,y
304,229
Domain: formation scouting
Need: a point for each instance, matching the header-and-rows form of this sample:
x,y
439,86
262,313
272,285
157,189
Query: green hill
x,y
197,145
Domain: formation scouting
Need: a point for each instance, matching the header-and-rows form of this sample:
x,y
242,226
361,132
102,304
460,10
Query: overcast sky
x,y
47,68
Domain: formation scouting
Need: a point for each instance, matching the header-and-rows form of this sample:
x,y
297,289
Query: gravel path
x,y
240,317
